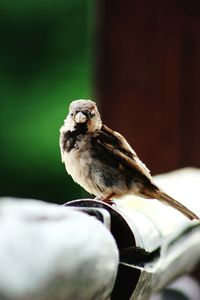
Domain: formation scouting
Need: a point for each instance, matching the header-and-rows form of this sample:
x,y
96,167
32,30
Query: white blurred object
x,y
184,288
51,252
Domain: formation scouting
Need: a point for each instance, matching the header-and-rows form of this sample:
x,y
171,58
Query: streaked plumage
x,y
102,161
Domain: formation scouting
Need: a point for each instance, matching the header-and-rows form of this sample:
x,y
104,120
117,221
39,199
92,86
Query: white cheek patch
x,y
69,123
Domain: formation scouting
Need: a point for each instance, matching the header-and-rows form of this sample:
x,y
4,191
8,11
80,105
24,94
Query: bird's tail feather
x,y
155,192
166,199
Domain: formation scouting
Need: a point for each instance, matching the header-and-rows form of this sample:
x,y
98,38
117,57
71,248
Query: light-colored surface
x,y
184,288
181,184
162,227
51,252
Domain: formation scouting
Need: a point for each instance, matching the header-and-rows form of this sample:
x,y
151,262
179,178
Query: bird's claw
x,y
105,200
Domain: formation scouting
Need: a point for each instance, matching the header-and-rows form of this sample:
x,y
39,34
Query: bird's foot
x,y
98,198
108,200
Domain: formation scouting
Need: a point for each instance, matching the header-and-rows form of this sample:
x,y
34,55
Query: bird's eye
x,y
91,115
71,114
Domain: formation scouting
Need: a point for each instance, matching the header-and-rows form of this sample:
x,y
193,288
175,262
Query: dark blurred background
x,y
149,78
140,60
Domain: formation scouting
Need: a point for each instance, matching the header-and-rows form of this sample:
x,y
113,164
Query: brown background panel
x,y
148,79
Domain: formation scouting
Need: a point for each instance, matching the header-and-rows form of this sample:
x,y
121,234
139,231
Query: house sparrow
x,y
102,161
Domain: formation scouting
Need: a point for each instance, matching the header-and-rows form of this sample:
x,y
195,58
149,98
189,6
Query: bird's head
x,y
83,114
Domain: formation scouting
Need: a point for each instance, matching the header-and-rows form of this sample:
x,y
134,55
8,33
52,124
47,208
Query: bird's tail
x,y
156,193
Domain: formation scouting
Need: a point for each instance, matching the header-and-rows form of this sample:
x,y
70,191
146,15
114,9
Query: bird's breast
x,y
78,162
91,172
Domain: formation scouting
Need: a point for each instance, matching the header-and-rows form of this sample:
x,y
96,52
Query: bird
x,y
103,162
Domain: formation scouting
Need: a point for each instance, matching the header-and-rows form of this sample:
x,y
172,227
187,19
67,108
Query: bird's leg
x,y
108,199
98,198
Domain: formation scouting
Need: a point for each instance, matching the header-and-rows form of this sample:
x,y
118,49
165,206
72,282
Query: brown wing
x,y
113,149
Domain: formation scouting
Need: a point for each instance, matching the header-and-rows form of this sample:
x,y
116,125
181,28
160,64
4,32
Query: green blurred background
x,y
45,62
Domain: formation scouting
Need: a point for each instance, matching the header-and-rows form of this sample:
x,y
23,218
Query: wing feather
x,y
115,149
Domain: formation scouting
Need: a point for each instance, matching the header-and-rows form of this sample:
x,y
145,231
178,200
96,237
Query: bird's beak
x,y
80,117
